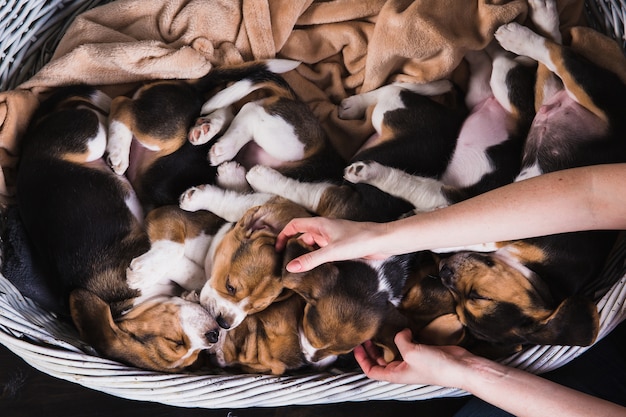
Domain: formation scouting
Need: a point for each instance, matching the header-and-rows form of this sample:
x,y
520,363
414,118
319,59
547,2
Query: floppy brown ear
x,y
92,316
272,216
575,322
309,285
392,323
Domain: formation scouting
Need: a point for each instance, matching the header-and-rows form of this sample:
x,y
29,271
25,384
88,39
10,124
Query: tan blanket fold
x,y
347,46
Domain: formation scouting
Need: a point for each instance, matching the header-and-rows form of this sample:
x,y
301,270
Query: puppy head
x,y
265,342
246,269
428,304
161,334
500,300
339,315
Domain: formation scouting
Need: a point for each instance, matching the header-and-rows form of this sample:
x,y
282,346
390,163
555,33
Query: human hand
x,y
337,240
422,364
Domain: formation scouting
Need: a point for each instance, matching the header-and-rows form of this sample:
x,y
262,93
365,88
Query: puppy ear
x,y
392,323
309,285
252,222
92,316
575,322
271,217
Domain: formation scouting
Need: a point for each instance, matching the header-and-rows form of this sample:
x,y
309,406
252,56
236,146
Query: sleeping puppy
x,y
84,221
275,130
184,243
529,291
149,132
346,302
243,268
488,151
429,305
416,130
265,342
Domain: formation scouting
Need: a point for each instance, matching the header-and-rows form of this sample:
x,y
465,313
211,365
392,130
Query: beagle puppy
x,y
84,222
265,342
429,305
416,132
489,147
186,243
346,303
275,130
149,139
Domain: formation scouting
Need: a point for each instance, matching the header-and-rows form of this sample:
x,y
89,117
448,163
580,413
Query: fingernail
x,y
294,266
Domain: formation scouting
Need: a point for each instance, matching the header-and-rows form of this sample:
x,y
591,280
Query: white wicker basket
x,y
29,32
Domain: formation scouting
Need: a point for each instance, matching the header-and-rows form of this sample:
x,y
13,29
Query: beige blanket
x,y
347,46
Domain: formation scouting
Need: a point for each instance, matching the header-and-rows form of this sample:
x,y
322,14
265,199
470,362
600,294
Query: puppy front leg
x,y
545,16
267,180
425,194
239,133
385,99
227,204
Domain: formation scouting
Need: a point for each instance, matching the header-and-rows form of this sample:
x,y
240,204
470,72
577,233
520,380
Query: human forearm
x,y
524,394
565,201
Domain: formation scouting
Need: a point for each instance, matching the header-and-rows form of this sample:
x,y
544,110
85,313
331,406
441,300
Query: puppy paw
x,y
545,16
262,178
352,108
150,269
221,152
118,147
361,171
189,200
516,38
118,164
209,126
202,132
232,176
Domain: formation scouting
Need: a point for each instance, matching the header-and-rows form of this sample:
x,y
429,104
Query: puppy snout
x,y
222,322
446,274
212,335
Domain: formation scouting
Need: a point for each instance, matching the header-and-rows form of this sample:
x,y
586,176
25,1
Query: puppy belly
x,y
487,126
252,154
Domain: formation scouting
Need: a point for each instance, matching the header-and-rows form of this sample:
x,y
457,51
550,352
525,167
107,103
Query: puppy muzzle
x,y
228,314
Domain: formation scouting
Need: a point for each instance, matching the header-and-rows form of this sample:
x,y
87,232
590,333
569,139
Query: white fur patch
x,y
229,205
233,312
97,145
267,180
118,146
529,172
422,192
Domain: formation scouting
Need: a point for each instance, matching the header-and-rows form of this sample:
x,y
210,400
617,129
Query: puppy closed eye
x,y
177,344
475,296
230,288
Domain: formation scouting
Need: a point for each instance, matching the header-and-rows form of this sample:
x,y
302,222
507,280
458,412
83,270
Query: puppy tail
x,y
249,77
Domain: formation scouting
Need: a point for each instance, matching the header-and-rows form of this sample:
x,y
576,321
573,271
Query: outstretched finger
x,y
290,230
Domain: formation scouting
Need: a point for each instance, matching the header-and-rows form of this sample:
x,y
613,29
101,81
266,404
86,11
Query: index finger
x,y
290,230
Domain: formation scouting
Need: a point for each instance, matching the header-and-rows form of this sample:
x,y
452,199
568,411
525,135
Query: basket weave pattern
x,y
29,32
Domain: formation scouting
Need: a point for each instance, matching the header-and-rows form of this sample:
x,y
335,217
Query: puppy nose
x,y
446,274
212,335
221,321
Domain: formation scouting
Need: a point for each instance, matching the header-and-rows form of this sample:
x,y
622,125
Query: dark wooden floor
x,y
26,392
